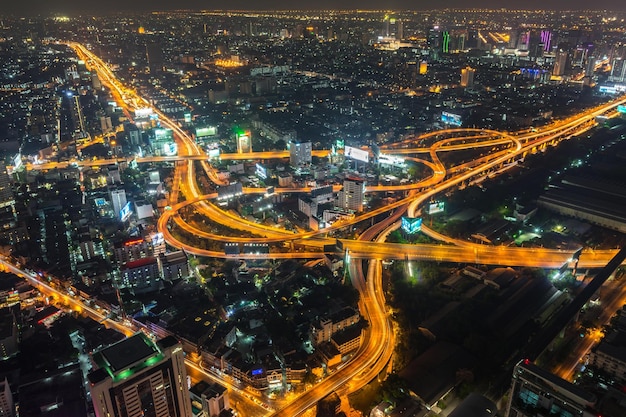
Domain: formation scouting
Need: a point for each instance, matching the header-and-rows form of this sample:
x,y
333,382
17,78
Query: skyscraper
x,y
6,190
139,378
560,63
80,129
438,42
400,30
118,200
154,54
546,40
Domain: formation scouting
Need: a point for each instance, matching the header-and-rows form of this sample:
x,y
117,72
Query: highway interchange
x,y
373,357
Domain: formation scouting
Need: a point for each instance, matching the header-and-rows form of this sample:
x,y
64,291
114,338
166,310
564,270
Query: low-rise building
x,y
536,391
323,330
174,265
348,339
214,398
141,276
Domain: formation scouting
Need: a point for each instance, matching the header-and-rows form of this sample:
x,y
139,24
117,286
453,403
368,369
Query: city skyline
x,y
312,210
42,7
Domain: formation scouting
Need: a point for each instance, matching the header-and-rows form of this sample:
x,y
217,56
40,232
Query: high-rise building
x,y
399,30
467,77
386,26
523,40
6,190
9,333
438,42
7,407
618,70
537,392
351,196
560,63
546,40
118,200
78,118
244,142
154,55
138,378
299,153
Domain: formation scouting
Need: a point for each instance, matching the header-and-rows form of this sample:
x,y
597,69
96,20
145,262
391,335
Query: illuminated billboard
x,y
17,161
214,153
436,207
261,172
395,161
451,118
187,117
335,147
612,89
356,154
169,149
163,134
143,112
411,225
157,239
125,212
202,132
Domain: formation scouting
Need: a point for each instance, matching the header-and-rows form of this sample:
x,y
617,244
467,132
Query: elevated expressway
x,y
373,355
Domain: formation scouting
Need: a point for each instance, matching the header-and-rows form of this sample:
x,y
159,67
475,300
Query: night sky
x,y
23,7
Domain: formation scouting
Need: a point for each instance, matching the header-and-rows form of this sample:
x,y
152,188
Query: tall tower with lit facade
x,y
467,77
560,63
137,377
438,42
118,200
6,190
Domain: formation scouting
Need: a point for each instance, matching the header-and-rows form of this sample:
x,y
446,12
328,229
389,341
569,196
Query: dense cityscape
x,y
313,213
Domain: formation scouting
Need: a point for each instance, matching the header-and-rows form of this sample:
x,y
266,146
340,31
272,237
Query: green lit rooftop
x,y
128,356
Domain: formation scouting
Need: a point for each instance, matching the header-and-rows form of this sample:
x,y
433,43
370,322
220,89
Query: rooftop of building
x,y
178,256
342,314
475,405
559,382
150,260
57,395
614,350
124,354
207,389
348,334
